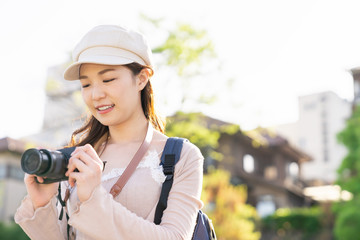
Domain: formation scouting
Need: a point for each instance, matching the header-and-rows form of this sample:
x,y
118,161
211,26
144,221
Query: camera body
x,y
51,165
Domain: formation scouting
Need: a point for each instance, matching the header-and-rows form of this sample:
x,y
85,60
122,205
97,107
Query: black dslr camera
x,y
51,165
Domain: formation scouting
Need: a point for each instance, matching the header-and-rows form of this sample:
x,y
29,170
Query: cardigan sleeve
x,y
103,218
41,223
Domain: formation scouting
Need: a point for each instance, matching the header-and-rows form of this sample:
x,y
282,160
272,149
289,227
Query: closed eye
x,y
85,85
109,80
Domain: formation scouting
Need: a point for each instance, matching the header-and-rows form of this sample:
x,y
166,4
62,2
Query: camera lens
x,y
34,161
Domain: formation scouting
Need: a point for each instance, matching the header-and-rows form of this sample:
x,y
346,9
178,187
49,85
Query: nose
x,y
98,92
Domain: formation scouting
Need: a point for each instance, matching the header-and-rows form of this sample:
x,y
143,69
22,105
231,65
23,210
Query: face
x,y
112,93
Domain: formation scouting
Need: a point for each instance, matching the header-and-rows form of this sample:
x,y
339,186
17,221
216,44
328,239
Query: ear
x,y
143,78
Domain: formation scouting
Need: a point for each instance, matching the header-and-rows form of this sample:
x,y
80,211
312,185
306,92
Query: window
x,y
309,106
265,206
270,173
293,170
248,163
326,155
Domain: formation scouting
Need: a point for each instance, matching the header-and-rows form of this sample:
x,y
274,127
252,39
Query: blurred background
x,y
268,90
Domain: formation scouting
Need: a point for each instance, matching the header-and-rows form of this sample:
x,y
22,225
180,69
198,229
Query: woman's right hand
x,y
40,194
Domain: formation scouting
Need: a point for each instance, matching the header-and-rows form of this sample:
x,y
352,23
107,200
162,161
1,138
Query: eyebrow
x,y
99,73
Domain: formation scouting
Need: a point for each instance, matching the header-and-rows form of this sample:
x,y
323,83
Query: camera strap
x,y
130,169
63,206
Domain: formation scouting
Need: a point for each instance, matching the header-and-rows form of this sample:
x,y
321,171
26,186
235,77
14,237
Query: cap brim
x,y
73,71
101,55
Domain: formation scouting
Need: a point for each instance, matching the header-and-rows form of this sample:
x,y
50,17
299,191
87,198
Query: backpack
x,y
204,229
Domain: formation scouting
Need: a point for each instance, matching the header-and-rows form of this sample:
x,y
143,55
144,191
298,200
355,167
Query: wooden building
x,y
268,165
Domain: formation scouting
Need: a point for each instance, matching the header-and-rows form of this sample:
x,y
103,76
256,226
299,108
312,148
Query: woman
x,y
114,67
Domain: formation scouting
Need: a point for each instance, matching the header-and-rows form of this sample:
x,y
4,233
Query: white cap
x,y
109,45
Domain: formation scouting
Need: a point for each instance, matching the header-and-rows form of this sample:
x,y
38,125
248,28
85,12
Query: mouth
x,y
104,108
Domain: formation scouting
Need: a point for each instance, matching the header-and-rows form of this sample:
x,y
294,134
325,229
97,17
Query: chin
x,y
110,123
105,122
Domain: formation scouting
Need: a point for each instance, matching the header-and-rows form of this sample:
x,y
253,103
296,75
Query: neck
x,y
132,131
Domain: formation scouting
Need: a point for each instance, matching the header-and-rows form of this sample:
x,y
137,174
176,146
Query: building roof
x,y
268,138
355,72
259,137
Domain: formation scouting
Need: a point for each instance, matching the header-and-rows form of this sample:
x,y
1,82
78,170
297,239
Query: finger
x,y
29,178
86,158
75,151
76,164
39,179
75,177
72,178
83,148
91,151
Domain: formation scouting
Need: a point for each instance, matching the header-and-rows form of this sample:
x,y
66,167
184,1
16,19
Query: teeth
x,y
105,107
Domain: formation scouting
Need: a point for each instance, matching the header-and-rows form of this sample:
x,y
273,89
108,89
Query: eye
x,y
109,80
85,85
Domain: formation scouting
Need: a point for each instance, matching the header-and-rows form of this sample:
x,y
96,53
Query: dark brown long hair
x,y
93,131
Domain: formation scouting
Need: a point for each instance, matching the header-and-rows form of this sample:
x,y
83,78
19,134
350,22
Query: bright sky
x,y
274,50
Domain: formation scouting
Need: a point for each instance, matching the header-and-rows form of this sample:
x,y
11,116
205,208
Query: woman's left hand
x,y
89,166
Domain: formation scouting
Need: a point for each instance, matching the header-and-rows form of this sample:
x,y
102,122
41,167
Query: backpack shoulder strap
x,y
173,146
169,157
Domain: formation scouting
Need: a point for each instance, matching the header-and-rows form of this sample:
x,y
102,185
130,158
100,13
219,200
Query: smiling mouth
x,y
103,108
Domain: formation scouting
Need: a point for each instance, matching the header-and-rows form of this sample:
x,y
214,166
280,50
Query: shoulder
x,y
159,136
188,147
190,150
190,160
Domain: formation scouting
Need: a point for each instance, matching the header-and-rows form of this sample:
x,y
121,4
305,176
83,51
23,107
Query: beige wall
x,y
321,117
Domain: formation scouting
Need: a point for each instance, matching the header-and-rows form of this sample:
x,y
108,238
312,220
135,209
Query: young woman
x,y
113,66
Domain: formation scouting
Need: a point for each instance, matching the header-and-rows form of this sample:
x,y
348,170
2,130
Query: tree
x,y
347,213
186,64
224,203
197,128
186,49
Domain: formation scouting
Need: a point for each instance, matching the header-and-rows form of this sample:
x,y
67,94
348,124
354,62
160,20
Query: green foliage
x,y
348,172
185,48
230,129
188,54
347,220
192,126
225,204
11,231
347,213
195,128
299,221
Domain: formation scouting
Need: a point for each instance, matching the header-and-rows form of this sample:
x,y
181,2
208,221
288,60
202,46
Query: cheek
x,y
124,93
86,97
